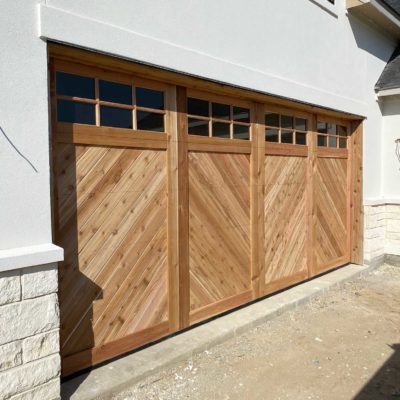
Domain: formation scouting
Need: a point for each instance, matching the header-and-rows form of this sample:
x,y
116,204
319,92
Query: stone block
x,y
48,391
28,318
10,287
27,376
40,346
39,281
10,355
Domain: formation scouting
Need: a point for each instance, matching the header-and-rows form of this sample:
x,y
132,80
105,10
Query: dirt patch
x,y
343,345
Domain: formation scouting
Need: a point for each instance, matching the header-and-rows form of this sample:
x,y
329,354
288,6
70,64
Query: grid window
x,y
331,135
215,119
94,101
283,128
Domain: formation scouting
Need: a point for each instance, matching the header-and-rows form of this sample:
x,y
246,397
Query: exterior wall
x,y
382,233
29,343
390,163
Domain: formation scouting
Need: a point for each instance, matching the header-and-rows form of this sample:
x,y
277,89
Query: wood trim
x,y
85,57
332,264
218,145
88,358
311,212
285,282
220,306
357,216
282,149
329,152
104,136
218,98
257,172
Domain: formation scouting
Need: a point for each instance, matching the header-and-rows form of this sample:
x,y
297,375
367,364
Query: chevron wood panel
x,y
112,223
285,216
330,207
219,227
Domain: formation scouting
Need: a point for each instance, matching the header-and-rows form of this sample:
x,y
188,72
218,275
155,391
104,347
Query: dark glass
x,y
286,122
115,117
331,129
301,138
342,143
272,119
287,137
241,132
74,85
341,130
115,92
197,127
219,129
322,141
321,127
71,111
198,107
221,111
148,121
332,141
301,124
241,114
272,135
149,98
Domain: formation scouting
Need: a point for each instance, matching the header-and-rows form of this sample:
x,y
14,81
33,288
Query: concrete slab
x,y
121,373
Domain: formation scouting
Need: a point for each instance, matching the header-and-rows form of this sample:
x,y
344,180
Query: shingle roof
x,y
390,77
394,5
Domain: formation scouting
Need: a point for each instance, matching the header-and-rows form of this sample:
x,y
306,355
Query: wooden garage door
x,y
174,205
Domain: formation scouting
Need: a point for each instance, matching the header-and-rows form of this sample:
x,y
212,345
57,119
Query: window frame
x,y
338,122
232,102
108,75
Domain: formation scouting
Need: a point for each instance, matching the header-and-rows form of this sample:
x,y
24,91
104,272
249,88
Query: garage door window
x,y
288,129
332,135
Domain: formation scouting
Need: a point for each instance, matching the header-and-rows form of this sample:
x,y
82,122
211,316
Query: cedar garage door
x,y
174,205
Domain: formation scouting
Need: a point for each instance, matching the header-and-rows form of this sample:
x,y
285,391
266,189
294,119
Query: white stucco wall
x,y
390,162
291,48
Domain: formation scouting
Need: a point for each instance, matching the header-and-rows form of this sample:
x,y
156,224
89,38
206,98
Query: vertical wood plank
x,y
257,172
357,221
312,147
178,209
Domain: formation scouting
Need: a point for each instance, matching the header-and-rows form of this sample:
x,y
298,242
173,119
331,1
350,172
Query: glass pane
x,y
272,135
221,111
198,107
287,137
197,127
332,141
74,85
331,129
301,138
321,126
343,143
148,121
116,117
341,130
115,92
149,98
322,141
241,132
286,122
219,129
272,119
70,111
301,124
241,114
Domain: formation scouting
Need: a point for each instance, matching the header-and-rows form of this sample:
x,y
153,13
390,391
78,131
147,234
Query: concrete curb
x,y
117,375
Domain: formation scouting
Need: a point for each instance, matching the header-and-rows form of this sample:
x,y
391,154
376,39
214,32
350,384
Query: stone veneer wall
x,y
382,234
29,334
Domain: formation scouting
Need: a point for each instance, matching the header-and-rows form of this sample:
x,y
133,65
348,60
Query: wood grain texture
x,y
285,219
331,207
219,227
113,227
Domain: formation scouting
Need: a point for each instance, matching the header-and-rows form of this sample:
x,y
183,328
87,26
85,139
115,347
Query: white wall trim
x,y
388,92
381,201
64,27
23,257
